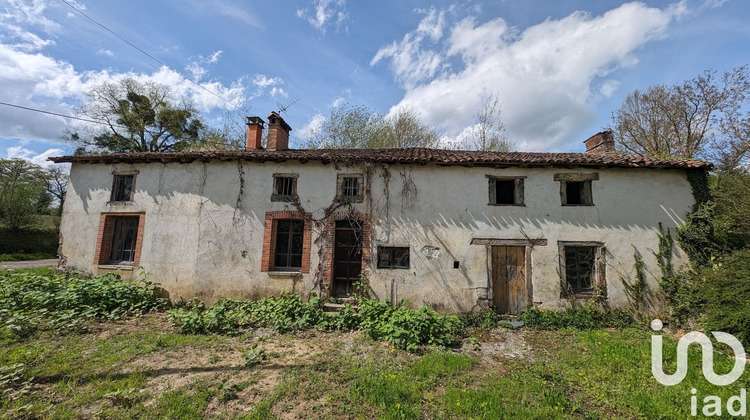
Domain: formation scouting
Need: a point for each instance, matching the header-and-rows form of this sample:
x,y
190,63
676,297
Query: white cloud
x,y
542,74
263,81
408,60
312,126
325,13
38,81
108,53
19,152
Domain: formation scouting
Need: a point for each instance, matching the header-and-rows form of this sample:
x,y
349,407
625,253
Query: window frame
x,y
382,250
586,193
340,188
518,190
290,243
287,198
598,266
107,236
124,244
268,253
117,186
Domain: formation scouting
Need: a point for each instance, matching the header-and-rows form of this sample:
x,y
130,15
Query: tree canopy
x,y
361,127
488,133
702,117
22,192
138,117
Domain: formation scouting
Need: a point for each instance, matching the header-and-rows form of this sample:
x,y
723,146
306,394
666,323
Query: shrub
x,y
726,288
29,241
408,328
30,301
585,317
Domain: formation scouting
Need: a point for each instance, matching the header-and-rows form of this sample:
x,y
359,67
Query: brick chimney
x,y
254,133
278,132
602,143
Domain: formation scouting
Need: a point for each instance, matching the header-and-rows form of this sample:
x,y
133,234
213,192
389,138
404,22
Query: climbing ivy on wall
x,y
696,236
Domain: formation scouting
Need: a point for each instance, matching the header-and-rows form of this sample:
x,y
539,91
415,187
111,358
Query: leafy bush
x,y
685,296
345,320
29,301
284,313
484,320
29,241
408,328
726,288
584,317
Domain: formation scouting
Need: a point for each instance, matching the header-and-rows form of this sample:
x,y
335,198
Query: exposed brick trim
x,y
329,233
106,231
269,237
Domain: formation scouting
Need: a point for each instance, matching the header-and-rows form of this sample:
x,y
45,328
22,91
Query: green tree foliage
x,y
731,195
360,127
22,193
138,117
727,295
701,117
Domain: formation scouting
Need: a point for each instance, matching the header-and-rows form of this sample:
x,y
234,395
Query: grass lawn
x,y
143,367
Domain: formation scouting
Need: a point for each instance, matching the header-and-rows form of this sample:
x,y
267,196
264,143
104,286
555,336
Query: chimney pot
x,y
254,133
602,143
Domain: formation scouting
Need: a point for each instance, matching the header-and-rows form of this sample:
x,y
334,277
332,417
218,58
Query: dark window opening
x,y
505,191
579,268
350,187
124,237
574,192
122,188
393,257
284,188
288,252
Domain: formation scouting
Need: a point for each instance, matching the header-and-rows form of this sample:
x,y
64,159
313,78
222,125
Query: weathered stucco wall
x,y
204,225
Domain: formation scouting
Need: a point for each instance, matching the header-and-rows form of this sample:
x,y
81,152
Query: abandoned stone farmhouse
x,y
456,230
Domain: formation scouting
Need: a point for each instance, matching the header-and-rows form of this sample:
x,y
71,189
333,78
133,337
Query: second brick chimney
x,y
254,133
278,132
602,143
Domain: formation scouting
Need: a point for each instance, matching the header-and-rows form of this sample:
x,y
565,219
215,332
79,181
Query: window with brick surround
x,y
286,241
123,187
506,191
284,187
575,189
350,188
120,238
289,240
393,257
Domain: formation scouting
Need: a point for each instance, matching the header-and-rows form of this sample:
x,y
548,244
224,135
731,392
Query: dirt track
x,y
27,264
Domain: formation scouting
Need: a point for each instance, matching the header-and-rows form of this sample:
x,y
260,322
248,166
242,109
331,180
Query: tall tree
x,y
56,184
488,133
686,120
360,127
138,117
22,192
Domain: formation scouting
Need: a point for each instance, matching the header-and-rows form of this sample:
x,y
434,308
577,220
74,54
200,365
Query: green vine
x,y
636,292
664,254
698,180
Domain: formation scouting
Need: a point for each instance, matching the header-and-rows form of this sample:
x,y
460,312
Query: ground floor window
x,y
393,257
581,268
286,241
120,239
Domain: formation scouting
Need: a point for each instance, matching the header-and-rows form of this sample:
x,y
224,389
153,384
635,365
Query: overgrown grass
x,y
29,302
582,317
27,257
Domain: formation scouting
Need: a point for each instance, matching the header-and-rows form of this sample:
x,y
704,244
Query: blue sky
x,y
559,68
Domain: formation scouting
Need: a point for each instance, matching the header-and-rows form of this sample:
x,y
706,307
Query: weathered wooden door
x,y
509,279
347,257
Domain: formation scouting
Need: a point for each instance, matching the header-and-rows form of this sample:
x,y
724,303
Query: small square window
x,y
122,188
350,188
284,187
575,189
393,257
506,191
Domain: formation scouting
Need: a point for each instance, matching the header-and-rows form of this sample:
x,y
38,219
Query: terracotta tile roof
x,y
397,156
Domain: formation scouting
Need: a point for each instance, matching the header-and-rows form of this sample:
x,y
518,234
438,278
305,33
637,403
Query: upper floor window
x,y
575,189
350,187
506,191
284,187
123,187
